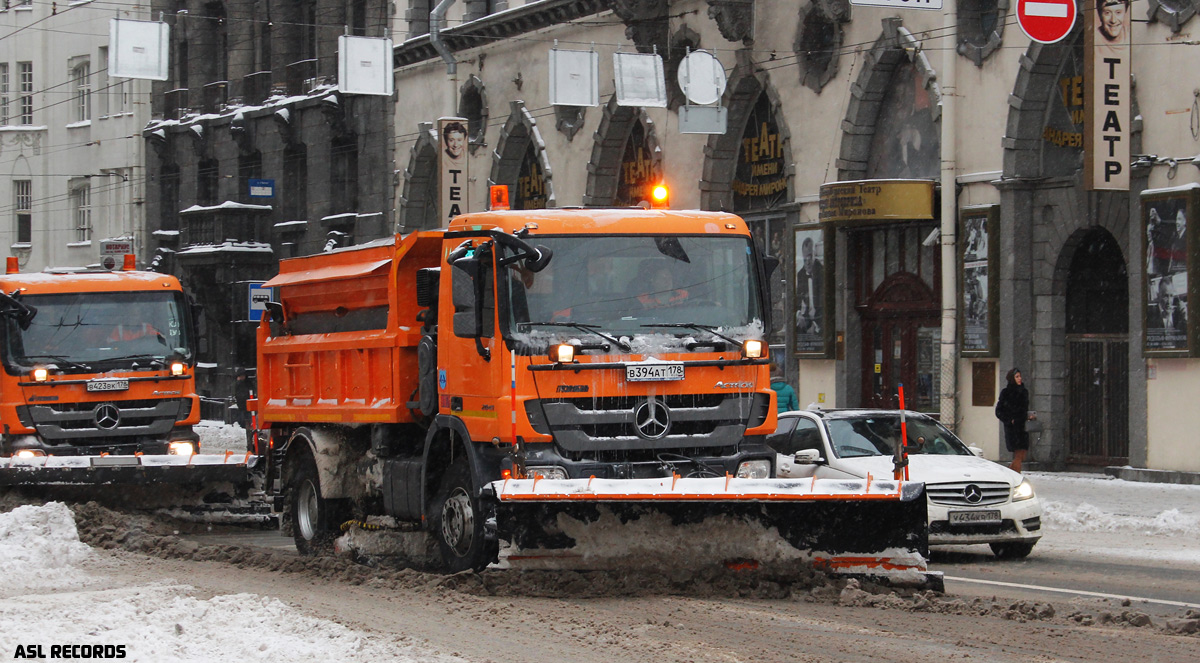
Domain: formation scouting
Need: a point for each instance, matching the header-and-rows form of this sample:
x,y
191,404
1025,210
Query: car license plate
x,y
108,385
653,372
987,517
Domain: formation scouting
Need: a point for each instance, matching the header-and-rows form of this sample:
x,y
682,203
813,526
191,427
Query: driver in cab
x,y
657,285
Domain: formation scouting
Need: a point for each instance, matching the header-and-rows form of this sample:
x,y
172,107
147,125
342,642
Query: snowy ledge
x,y
80,245
19,128
227,205
227,247
80,124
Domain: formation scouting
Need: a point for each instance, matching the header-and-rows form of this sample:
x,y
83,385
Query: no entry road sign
x,y
1047,21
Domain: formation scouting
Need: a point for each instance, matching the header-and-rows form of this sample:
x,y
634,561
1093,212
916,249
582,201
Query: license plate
x,y
108,385
653,372
975,517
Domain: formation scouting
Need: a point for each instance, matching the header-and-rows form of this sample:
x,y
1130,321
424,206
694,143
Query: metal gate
x,y
1097,399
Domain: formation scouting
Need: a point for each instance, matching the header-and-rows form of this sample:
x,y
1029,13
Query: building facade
x,y
254,155
72,165
922,176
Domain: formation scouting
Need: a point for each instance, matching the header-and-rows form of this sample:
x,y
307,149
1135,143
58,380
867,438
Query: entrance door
x,y
901,336
1097,353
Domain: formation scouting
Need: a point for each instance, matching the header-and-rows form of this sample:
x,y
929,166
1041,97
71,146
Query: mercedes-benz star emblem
x,y
652,419
107,416
972,494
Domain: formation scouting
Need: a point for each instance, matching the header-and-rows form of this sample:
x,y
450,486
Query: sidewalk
x,y
1128,473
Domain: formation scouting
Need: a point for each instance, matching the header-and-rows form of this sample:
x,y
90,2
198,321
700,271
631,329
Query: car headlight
x,y
546,472
754,469
1022,492
181,449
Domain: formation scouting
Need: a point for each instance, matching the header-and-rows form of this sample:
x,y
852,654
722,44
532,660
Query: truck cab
x,y
96,363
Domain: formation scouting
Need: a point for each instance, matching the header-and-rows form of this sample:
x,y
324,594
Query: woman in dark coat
x,y
1013,411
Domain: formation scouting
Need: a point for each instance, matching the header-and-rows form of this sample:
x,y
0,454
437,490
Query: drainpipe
x,y
437,19
949,212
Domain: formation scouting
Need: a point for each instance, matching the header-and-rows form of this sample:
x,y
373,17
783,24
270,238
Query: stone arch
x,y
1174,13
418,201
895,45
519,132
976,39
604,167
472,104
720,154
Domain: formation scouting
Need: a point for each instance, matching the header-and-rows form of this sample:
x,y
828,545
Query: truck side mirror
x,y
462,288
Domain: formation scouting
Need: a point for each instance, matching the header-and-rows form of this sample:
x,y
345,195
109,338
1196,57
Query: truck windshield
x,y
620,284
100,331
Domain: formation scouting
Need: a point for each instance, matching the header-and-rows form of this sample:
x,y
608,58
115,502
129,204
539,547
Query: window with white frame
x,y
81,209
3,93
25,83
23,199
81,79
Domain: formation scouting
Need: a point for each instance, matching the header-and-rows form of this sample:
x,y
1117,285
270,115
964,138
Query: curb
x,y
1153,476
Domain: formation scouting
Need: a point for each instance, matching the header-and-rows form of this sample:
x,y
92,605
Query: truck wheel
x,y
1017,550
458,522
313,526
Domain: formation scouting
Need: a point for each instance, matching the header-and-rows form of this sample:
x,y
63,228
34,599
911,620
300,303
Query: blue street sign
x,y
262,188
259,296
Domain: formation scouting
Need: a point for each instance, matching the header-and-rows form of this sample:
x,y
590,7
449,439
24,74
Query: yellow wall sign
x,y
875,200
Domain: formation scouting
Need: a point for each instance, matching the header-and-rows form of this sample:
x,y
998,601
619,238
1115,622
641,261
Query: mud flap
x,y
874,529
104,470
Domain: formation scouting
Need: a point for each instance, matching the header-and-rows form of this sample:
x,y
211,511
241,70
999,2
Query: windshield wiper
x,y
698,327
154,359
71,363
593,329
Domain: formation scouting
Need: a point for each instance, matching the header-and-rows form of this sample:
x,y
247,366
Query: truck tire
x,y
314,525
458,522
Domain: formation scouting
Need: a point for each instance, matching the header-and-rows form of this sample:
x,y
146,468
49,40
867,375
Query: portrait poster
x,y
1108,95
813,302
977,285
1166,215
453,168
770,237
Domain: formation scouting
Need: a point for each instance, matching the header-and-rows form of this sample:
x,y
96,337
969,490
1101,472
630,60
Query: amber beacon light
x,y
498,195
661,196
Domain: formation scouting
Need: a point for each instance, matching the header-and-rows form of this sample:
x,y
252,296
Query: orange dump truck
x,y
540,379
98,383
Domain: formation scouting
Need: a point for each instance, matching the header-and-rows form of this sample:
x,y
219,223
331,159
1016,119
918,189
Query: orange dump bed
x,y
348,351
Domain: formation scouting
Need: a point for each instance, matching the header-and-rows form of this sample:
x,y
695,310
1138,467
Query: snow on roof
x,y
227,247
227,205
165,233
290,225
279,102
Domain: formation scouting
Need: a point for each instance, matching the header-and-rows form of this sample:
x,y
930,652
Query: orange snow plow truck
x,y
98,383
561,386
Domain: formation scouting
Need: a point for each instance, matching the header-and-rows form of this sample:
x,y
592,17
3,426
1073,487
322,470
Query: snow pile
x,y
217,438
1087,518
165,623
40,548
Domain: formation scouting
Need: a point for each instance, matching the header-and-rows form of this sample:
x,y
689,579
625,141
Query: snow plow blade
x,y
872,529
103,470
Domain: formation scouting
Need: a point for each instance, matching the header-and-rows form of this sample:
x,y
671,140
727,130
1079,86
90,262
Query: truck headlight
x,y
181,449
752,349
177,368
30,453
40,374
546,472
563,353
754,469
1022,492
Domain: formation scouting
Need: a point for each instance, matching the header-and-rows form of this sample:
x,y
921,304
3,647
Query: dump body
x,y
414,376
95,364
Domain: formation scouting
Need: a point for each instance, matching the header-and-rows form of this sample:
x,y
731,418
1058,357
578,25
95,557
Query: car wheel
x,y
458,522
1015,550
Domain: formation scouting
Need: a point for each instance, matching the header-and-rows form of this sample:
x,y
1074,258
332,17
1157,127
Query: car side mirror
x,y
977,451
808,457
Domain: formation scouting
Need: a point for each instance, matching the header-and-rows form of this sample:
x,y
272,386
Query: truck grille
x,y
90,423
962,493
691,421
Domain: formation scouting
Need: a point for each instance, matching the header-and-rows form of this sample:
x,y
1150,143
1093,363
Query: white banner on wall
x,y
365,65
139,49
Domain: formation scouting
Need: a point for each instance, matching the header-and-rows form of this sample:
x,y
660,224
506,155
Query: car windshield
x,y
876,435
628,284
99,331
